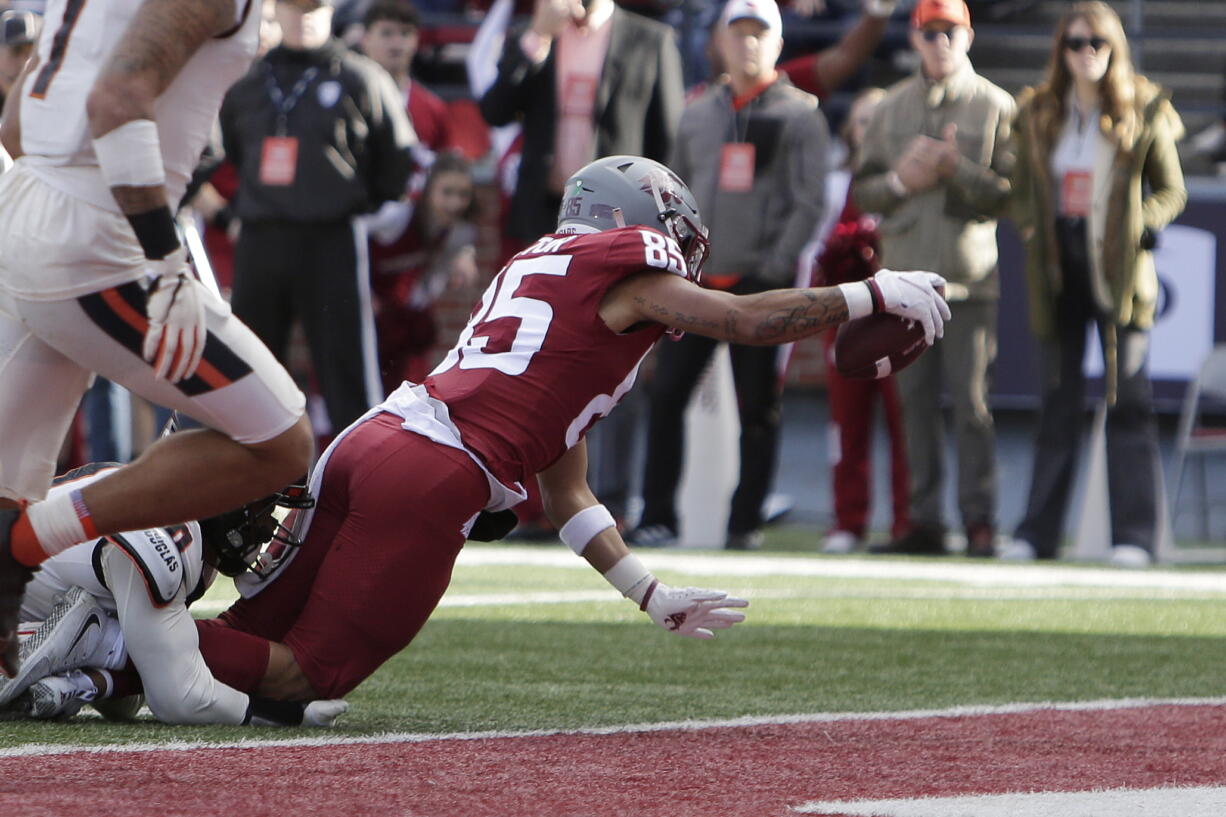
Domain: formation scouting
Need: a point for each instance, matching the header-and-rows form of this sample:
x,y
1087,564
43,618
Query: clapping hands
x,y
927,161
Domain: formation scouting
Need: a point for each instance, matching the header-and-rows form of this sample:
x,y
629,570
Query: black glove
x,y
1149,238
493,525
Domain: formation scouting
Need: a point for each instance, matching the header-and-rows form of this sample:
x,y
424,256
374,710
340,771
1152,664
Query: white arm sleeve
x,y
165,648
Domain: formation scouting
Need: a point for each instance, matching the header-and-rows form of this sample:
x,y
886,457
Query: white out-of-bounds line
x,y
1199,801
738,565
44,749
212,607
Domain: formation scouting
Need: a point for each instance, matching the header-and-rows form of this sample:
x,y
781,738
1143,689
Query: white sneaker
x,y
56,696
1017,550
1131,556
69,635
840,542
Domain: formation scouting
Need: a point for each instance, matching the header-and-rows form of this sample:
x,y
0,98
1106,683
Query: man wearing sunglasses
x,y
935,164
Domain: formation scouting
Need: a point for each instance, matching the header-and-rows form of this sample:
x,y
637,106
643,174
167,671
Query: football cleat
x,y
69,635
14,576
55,696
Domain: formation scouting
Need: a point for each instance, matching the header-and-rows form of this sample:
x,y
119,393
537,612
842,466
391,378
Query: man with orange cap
x,y
935,164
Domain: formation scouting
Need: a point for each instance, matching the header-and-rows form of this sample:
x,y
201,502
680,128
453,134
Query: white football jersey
x,y
77,39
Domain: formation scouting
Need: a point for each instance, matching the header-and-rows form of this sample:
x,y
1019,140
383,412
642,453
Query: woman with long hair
x,y
435,251
1097,177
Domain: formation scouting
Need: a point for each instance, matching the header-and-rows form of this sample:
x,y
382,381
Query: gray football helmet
x,y
618,191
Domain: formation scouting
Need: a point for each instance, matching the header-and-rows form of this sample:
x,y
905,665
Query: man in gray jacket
x,y
753,150
935,164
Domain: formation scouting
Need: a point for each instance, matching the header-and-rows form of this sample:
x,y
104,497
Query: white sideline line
x,y
996,574
44,749
213,607
1197,801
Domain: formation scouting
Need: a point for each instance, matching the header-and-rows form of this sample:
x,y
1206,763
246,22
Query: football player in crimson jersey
x,y
551,348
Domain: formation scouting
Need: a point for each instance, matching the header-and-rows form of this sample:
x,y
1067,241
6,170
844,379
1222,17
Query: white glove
x,y
177,331
914,296
324,713
691,611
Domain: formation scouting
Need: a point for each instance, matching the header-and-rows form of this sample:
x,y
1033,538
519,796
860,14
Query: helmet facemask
x,y
252,539
691,238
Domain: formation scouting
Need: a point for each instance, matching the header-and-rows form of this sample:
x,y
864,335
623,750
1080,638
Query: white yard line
x,y
41,749
990,573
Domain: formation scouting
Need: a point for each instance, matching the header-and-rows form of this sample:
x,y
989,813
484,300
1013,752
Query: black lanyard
x,y
284,103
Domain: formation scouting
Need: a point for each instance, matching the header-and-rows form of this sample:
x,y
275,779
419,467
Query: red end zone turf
x,y
744,771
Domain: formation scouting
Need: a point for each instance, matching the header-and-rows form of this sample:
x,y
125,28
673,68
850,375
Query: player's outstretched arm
x,y
589,529
777,316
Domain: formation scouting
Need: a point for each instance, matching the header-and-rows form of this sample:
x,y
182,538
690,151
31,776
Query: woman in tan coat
x,y
1097,177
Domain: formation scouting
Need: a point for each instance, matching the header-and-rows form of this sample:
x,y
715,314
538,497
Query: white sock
x,y
86,690
56,523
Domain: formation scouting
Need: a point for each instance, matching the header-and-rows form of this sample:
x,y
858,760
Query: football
x,y
877,345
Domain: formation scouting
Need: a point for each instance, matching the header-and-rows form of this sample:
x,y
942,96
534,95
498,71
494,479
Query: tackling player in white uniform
x,y
126,596
105,125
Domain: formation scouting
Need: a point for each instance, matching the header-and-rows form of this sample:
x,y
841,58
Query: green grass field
x,y
823,635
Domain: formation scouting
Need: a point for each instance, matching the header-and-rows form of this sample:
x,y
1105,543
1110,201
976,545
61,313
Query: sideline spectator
x,y
1097,177
318,135
751,144
851,253
938,191
18,33
586,79
434,252
391,32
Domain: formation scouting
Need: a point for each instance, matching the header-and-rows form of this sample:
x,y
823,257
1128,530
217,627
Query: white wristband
x,y
859,299
631,578
131,155
583,527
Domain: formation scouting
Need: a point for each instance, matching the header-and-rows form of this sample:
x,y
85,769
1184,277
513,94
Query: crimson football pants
x,y
388,526
851,415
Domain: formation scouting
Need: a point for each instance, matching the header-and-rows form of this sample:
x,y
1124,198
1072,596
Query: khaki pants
x,y
962,363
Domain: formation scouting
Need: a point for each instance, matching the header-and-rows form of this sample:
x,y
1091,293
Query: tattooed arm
x,y
159,41
767,318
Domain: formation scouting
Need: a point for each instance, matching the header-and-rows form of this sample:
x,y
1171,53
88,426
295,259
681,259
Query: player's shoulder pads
x,y
167,558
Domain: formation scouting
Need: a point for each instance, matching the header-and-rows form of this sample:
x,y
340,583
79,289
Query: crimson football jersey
x,y
536,366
